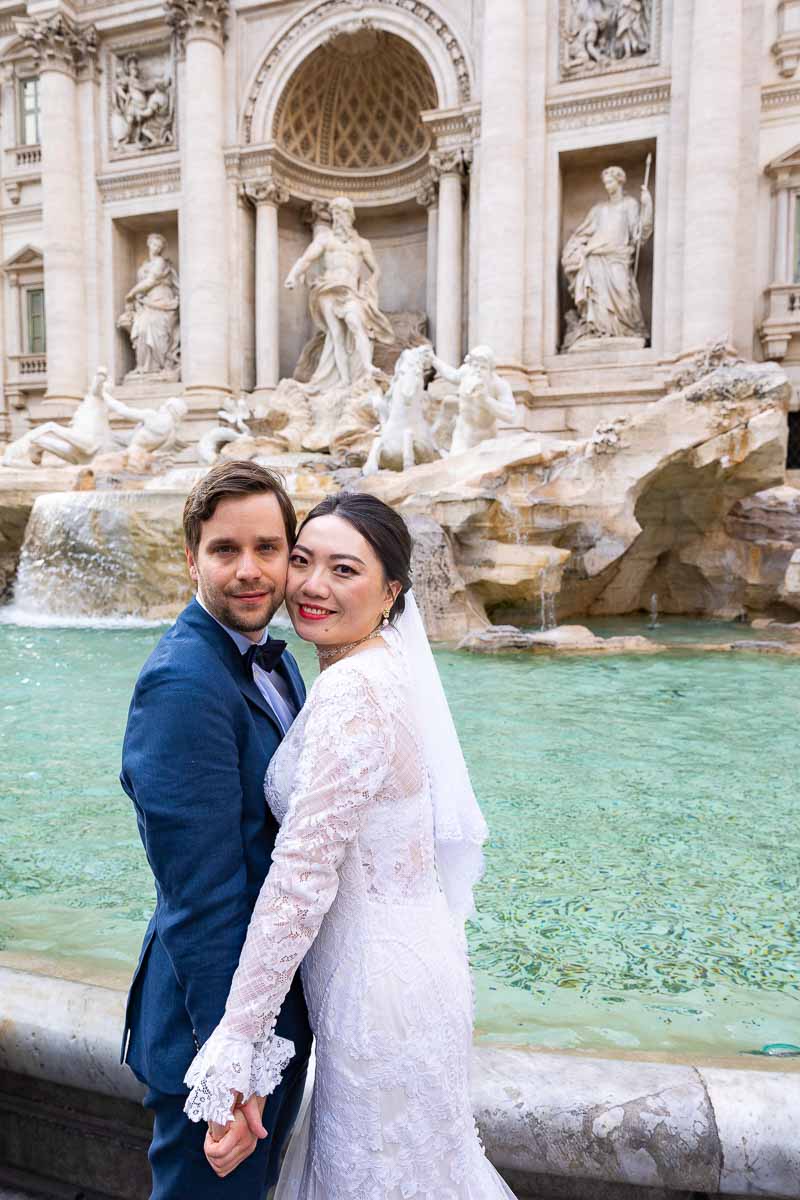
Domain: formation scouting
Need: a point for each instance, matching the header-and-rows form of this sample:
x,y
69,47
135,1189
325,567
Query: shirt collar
x,y
241,642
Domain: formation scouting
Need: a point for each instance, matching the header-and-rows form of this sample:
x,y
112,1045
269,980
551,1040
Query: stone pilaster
x,y
710,284
267,196
199,29
63,52
450,167
501,264
428,197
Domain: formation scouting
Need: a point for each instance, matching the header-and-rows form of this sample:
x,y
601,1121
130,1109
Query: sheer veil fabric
x,y
459,827
372,876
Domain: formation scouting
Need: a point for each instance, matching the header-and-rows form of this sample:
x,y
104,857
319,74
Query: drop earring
x,y
387,612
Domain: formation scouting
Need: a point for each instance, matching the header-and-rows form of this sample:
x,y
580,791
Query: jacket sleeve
x,y
347,749
181,767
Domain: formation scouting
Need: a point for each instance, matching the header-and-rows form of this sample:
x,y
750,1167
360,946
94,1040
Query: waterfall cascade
x,y
103,554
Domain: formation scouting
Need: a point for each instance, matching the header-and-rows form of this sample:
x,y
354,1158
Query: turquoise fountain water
x,y
644,865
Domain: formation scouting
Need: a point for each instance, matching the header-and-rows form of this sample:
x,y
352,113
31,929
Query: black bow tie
x,y
267,656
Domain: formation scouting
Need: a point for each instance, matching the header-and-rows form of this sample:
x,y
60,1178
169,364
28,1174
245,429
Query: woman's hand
x,y
226,1146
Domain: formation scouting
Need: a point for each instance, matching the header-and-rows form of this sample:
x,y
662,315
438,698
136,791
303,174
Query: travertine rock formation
x,y
530,517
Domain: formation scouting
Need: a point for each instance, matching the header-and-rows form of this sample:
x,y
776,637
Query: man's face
x,y
240,564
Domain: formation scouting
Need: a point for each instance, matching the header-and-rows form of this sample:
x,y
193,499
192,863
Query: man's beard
x,y
220,606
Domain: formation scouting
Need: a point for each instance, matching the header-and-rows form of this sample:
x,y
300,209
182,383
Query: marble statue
x,y
155,439
603,33
600,260
235,415
405,436
143,110
484,398
152,315
87,434
343,300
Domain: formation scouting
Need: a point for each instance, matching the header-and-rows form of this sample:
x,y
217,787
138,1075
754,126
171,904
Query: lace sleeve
x,y
345,755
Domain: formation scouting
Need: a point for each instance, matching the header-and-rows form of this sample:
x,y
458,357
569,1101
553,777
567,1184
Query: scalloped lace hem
x,y
228,1063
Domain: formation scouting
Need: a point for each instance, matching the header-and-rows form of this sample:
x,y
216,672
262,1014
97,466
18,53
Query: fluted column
x,y
501,256
62,51
449,165
428,197
266,195
710,284
199,26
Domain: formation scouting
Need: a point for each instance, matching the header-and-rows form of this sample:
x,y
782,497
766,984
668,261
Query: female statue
x,y
151,316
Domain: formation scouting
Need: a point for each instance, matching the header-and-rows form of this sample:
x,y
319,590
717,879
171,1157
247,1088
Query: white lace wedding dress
x,y
354,896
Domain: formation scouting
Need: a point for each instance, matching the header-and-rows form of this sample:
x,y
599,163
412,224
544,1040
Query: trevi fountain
x,y
530,273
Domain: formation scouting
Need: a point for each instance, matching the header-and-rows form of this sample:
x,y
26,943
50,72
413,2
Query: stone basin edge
x,y
654,1124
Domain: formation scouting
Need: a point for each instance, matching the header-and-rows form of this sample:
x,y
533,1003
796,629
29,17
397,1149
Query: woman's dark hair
x,y
384,529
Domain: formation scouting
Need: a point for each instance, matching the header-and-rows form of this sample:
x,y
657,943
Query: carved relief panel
x,y
597,36
141,100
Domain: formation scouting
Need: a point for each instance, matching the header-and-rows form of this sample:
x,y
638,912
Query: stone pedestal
x,y
205,283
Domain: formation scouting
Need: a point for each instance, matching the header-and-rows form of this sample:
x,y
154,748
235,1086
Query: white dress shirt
x,y
271,684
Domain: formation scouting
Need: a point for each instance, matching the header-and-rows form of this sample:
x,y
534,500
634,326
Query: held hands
x,y
226,1146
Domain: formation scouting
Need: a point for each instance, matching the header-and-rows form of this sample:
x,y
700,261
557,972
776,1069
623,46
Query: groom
x,y
210,707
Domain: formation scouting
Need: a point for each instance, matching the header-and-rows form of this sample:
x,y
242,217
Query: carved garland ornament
x,y
329,7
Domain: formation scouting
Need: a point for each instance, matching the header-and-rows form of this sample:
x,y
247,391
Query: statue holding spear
x,y
601,261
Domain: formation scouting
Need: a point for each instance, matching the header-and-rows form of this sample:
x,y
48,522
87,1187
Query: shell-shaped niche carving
x,y
354,103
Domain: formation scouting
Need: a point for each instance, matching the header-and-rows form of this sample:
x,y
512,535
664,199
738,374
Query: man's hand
x,y
226,1146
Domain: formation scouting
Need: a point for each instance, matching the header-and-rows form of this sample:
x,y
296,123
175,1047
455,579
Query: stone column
x,y
428,197
501,261
782,267
266,195
63,51
199,25
449,165
714,125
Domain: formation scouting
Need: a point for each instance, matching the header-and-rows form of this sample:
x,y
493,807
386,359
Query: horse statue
x,y
405,436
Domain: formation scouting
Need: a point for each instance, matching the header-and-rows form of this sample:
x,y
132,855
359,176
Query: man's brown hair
x,y
233,478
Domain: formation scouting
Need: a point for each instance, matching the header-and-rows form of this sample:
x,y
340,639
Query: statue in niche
x,y
87,434
600,261
484,398
343,301
143,110
151,317
599,34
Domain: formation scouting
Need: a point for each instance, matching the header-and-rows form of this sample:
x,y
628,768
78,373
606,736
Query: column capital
x,y
427,194
264,191
450,160
59,44
197,20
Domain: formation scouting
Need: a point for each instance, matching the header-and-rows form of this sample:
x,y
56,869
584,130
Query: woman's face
x,y
336,590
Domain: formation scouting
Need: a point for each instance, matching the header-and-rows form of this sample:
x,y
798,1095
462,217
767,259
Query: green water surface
x,y
643,871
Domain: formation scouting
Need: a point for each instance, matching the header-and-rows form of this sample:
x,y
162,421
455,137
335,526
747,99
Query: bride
x,y
370,885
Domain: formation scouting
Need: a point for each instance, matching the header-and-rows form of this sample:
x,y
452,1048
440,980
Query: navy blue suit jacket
x,y
197,745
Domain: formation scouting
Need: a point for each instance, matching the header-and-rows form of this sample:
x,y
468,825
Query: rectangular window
x,y
29,112
37,339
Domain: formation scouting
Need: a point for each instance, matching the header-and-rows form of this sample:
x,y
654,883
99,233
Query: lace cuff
x,y
230,1063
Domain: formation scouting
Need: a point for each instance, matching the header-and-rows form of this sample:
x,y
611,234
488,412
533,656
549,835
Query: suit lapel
x,y
196,618
292,674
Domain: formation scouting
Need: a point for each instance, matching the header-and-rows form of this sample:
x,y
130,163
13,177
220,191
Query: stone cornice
x,y
303,181
197,20
598,108
125,185
59,44
780,95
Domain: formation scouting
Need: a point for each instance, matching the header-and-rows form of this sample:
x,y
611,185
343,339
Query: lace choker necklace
x,y
327,654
